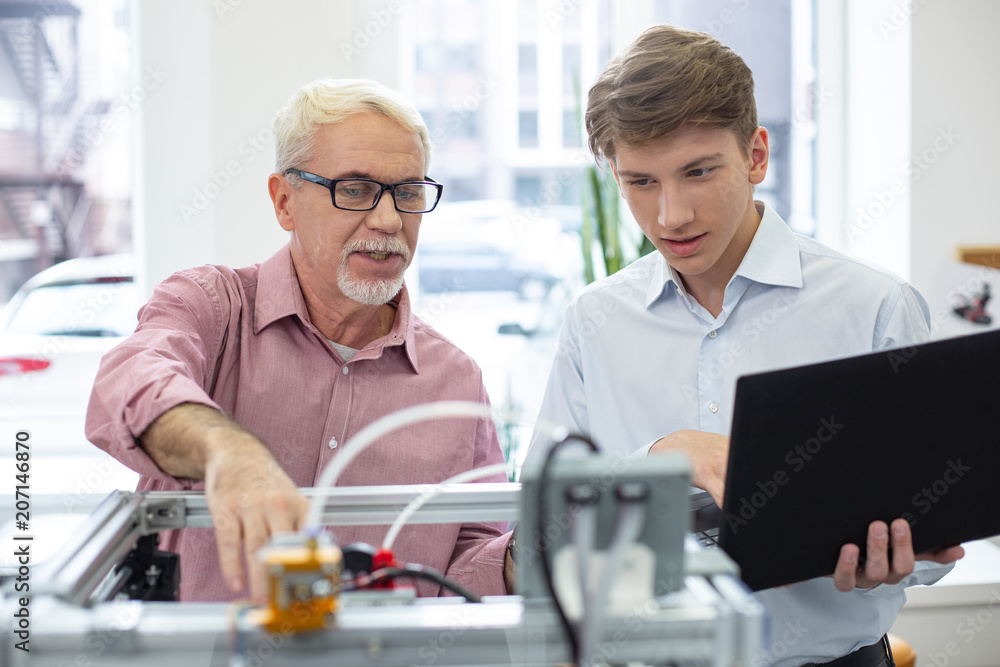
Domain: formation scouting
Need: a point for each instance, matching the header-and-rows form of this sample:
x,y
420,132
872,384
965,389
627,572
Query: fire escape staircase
x,y
42,199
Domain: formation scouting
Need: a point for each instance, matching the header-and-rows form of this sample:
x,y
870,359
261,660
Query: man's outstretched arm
x,y
249,496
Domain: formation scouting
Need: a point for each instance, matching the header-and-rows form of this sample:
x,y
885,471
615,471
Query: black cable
x,y
543,547
415,571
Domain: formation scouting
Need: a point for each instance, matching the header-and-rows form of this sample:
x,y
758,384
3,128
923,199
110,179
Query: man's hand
x,y
250,498
709,455
509,573
877,568
248,494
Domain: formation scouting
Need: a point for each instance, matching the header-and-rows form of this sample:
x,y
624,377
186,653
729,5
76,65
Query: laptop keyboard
x,y
708,538
705,518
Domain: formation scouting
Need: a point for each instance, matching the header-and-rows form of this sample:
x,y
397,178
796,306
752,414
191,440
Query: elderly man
x,y
245,382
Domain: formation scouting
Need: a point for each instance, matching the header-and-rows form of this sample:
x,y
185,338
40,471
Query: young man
x,y
652,353
247,382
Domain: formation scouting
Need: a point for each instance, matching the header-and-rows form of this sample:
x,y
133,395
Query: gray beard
x,y
368,292
372,292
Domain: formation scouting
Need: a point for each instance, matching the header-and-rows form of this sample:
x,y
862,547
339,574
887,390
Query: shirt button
x,y
346,370
713,334
713,407
333,443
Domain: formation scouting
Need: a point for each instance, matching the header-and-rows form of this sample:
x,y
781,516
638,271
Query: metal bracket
x,y
603,481
150,574
162,514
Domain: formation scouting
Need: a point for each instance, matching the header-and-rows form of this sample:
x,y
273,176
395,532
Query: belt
x,y
877,655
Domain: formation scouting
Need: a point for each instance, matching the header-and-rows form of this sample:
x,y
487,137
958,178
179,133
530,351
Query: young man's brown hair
x,y
665,79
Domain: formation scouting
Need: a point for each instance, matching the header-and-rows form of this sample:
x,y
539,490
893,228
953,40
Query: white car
x,y
53,334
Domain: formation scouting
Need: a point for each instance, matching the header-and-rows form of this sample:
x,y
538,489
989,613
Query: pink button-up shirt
x,y
240,340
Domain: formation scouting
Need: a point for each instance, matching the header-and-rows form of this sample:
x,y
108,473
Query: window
x,y
572,129
527,129
527,189
66,105
571,66
524,141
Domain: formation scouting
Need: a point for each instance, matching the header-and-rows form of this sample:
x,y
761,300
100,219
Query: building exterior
x,y
501,86
64,150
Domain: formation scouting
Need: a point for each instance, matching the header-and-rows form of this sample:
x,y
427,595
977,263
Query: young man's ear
x,y
759,153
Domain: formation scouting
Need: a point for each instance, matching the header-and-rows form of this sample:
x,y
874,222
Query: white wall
x,y
955,133
213,74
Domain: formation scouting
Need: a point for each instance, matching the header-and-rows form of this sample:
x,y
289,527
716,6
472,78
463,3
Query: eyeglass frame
x,y
331,183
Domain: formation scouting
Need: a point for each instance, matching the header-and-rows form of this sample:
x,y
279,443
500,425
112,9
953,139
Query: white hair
x,y
330,101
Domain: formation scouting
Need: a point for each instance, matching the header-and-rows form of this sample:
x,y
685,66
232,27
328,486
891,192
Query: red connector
x,y
384,558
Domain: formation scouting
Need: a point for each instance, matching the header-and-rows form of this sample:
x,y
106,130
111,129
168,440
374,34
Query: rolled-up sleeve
x,y
169,360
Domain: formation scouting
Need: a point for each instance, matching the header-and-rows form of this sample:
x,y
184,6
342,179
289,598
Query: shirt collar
x,y
278,292
773,255
772,258
279,295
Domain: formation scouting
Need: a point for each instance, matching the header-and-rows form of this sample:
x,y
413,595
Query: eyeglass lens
x,y
360,195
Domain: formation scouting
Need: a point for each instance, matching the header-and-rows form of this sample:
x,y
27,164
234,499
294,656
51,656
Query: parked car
x,y
469,266
494,246
53,333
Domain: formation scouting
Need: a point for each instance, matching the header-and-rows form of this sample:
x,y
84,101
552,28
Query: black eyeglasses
x,y
363,194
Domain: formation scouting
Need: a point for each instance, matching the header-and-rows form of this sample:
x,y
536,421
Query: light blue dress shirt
x,y
639,358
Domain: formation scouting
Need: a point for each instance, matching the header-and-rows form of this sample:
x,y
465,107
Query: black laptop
x,y
818,452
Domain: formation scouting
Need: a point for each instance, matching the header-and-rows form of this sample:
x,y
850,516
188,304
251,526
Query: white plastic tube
x,y
423,498
399,419
584,533
376,430
629,527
